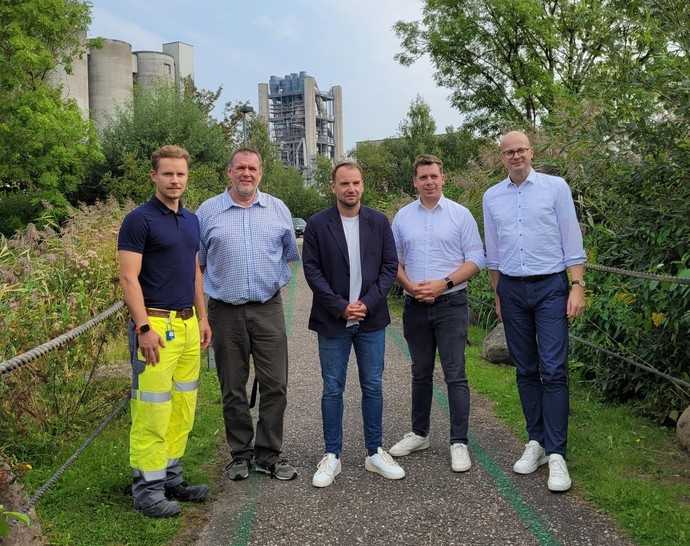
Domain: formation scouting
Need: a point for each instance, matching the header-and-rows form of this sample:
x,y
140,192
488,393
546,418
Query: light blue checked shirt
x,y
432,243
245,251
531,229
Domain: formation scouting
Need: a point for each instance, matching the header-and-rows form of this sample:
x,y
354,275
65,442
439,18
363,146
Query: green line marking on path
x,y
245,520
246,517
503,483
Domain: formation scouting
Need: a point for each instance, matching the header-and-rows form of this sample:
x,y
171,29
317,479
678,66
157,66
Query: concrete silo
x,y
75,85
110,80
154,69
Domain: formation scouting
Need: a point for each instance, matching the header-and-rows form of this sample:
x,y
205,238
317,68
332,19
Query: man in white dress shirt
x,y
439,250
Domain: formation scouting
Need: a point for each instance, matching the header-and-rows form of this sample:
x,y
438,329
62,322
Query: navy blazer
x,y
327,269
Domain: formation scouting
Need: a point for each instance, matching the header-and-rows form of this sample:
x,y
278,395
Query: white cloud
x,y
106,24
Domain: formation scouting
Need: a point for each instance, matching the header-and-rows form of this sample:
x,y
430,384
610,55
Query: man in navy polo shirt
x,y
163,289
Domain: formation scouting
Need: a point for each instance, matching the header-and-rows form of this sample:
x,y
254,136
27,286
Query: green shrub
x,y
16,210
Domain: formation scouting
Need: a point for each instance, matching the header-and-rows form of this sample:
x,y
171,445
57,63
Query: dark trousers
x,y
442,325
256,329
536,326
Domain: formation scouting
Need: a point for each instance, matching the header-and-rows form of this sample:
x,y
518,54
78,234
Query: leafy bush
x,y
46,147
155,118
16,210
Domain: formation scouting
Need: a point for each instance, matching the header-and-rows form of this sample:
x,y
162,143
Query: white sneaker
x,y
382,463
559,479
410,442
328,469
532,458
460,458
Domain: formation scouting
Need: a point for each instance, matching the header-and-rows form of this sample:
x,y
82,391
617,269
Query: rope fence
x,y
608,352
639,274
37,352
121,405
29,356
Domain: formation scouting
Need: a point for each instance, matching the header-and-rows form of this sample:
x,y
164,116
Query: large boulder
x,y
683,429
495,347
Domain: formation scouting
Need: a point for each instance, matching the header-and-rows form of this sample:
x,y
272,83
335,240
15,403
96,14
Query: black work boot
x,y
187,493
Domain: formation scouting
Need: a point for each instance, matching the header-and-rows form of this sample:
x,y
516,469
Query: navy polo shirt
x,y
168,242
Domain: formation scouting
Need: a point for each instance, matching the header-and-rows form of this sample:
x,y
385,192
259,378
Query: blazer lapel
x,y
336,227
366,231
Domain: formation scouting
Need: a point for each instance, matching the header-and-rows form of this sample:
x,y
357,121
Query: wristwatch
x,y
142,329
581,283
449,284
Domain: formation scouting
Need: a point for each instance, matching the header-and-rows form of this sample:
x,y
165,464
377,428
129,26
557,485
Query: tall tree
x,y
418,129
510,61
157,117
205,98
46,148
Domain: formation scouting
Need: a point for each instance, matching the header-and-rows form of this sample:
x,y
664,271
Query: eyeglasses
x,y
516,152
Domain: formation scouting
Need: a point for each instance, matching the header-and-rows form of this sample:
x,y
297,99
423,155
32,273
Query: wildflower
x,y
625,297
657,319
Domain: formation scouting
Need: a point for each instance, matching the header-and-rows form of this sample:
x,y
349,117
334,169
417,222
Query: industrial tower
x,y
302,120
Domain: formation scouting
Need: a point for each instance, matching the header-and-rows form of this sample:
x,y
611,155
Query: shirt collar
x,y
531,177
441,203
260,200
164,209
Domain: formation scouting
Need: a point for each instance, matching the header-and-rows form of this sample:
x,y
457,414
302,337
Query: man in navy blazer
x,y
350,263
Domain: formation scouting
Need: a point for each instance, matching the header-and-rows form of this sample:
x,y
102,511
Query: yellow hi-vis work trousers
x,y
163,397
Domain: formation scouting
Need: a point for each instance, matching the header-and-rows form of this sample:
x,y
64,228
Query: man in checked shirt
x,y
247,240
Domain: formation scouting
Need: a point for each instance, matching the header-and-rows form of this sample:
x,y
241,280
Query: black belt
x,y
531,278
184,314
440,299
251,302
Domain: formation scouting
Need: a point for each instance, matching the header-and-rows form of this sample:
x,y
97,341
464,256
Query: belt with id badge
x,y
169,332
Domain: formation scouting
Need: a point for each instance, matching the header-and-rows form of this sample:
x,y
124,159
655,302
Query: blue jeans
x,y
334,353
536,326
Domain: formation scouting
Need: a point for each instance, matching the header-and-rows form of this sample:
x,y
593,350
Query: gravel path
x,y
489,505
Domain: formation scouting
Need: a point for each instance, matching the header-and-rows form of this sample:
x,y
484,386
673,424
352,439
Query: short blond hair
x,y
168,151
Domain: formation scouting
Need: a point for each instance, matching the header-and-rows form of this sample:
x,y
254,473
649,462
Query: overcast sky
x,y
340,42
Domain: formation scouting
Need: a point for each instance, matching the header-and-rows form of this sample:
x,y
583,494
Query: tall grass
x,y
52,280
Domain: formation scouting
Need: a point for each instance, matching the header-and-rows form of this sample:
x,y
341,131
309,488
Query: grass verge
x,y
91,504
624,464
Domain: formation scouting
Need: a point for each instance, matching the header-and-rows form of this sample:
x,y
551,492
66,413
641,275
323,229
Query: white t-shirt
x,y
351,229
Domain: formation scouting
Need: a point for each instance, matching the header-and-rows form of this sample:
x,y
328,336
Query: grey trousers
x,y
241,331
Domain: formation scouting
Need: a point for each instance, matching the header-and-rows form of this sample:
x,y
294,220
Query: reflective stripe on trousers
x,y
163,397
